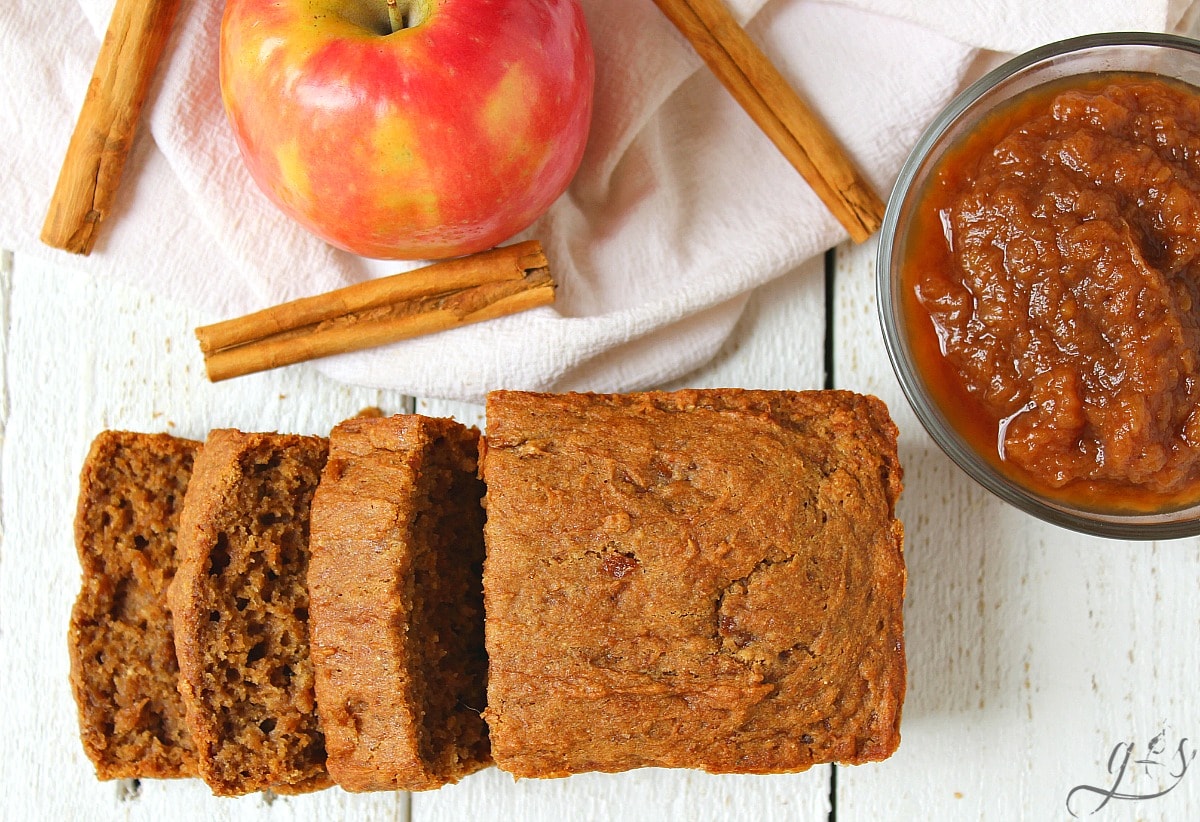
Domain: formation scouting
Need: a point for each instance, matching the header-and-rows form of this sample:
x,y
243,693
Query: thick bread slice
x,y
397,604
123,668
241,610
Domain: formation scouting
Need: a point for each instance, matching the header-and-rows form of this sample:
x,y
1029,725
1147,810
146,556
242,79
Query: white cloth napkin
x,y
681,206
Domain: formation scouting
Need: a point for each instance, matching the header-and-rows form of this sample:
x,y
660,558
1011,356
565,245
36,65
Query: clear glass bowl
x,y
1166,55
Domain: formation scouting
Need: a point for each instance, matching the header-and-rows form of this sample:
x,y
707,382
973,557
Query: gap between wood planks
x,y
830,277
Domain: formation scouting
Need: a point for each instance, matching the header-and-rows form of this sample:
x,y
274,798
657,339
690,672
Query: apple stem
x,y
395,16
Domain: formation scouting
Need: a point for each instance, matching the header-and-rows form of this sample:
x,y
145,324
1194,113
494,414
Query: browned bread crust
x,y
123,668
397,604
702,579
241,609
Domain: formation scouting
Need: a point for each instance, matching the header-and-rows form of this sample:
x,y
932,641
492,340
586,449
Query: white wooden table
x,y
1036,656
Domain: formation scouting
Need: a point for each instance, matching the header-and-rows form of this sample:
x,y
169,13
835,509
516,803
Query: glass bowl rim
x,y
1184,522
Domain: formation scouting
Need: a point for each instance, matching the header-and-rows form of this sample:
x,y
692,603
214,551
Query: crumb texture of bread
x,y
240,606
395,581
703,579
123,666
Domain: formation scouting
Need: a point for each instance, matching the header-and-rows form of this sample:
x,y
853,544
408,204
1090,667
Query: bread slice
x,y
123,668
396,586
240,605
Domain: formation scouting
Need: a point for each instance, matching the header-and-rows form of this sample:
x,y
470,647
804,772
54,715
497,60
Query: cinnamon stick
x,y
103,135
779,112
436,298
511,262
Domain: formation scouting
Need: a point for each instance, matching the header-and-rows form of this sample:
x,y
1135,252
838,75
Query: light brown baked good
x,y
703,579
123,668
396,614
241,611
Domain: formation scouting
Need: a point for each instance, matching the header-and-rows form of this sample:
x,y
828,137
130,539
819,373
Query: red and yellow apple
x,y
439,129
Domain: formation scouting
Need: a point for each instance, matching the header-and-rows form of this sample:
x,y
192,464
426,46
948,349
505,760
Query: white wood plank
x,y
82,356
1032,651
645,795
779,343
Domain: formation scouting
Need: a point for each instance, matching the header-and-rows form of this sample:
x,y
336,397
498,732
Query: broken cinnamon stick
x,y
779,112
96,154
436,298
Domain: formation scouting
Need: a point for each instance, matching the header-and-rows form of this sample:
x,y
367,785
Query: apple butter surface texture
x,y
1052,290
444,137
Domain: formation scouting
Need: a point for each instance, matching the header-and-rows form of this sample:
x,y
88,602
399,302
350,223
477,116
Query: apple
x,y
430,129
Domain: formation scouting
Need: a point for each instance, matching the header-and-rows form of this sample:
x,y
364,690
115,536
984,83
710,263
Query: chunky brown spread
x,y
1053,289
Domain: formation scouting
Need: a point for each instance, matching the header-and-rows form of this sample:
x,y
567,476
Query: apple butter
x,y
1052,290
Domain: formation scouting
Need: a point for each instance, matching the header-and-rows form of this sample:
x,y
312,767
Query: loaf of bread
x,y
240,605
702,579
396,615
123,668
705,579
